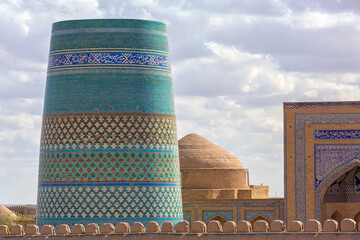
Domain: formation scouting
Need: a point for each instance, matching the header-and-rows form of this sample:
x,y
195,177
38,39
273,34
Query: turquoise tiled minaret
x,y
109,148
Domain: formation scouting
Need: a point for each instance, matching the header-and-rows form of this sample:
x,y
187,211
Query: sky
x,y
234,63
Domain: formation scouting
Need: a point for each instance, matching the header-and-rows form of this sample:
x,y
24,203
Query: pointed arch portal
x,y
341,197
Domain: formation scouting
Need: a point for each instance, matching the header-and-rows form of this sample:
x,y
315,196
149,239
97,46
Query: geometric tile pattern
x,y
108,58
87,167
301,120
251,214
322,187
106,202
109,142
346,188
208,214
115,131
337,134
329,157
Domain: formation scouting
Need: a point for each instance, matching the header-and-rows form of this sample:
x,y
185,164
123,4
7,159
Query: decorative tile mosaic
x,y
94,131
108,58
337,134
345,189
322,187
208,214
251,214
329,157
87,167
109,142
116,203
300,121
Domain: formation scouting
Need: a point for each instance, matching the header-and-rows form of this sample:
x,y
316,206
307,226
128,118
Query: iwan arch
x,y
322,160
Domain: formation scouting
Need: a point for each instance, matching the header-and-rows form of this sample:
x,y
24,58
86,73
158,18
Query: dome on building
x,y
196,151
205,165
210,172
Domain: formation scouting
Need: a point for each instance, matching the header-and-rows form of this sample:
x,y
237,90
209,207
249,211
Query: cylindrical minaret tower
x,y
109,143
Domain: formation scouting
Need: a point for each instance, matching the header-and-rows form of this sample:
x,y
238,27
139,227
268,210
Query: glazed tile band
x,y
118,58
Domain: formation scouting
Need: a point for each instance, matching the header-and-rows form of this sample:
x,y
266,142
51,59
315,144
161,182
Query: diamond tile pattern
x,y
84,132
108,167
120,202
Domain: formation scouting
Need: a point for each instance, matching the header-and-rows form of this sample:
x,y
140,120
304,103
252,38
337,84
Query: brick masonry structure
x,y
322,152
312,229
109,141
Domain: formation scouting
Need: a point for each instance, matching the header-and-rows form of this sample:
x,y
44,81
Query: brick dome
x,y
196,151
205,165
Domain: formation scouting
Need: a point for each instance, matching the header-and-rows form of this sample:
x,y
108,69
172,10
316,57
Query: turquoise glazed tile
x,y
109,148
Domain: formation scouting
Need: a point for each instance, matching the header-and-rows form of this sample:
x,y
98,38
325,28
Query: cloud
x,y
317,20
233,63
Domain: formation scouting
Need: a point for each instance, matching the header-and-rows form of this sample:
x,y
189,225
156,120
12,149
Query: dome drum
x,y
253,192
203,178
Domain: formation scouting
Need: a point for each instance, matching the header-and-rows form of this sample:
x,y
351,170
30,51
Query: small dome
x,y
196,151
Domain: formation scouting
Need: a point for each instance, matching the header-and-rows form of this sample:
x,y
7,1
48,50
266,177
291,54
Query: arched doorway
x,y
342,197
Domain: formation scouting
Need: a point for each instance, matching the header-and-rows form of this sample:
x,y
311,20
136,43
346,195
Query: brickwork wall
x,y
347,229
321,143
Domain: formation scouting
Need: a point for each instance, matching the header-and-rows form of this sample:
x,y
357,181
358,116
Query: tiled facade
x,y
321,143
109,142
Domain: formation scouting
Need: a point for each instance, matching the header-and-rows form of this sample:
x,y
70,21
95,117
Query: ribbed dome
x,y
196,151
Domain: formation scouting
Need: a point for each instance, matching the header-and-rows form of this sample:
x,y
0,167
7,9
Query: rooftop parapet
x,y
199,229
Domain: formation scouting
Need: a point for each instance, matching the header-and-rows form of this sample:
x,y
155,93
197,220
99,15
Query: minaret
x,y
109,150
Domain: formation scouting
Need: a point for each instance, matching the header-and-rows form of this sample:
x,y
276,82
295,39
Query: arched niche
x,y
321,212
260,217
342,196
345,189
219,218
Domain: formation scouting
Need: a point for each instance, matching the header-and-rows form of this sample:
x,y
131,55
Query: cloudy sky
x,y
234,63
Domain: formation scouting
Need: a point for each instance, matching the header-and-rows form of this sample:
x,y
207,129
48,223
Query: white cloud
x,y
234,63
318,20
